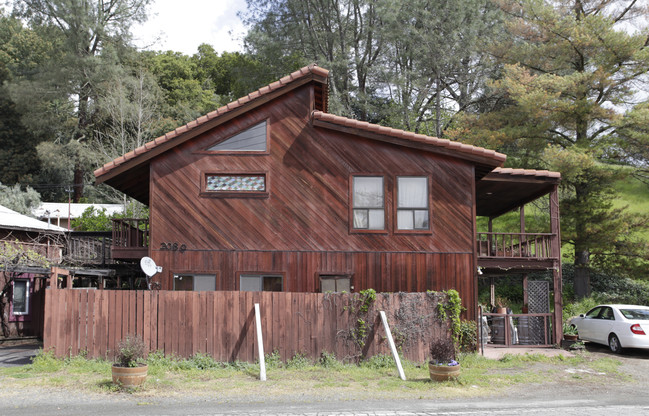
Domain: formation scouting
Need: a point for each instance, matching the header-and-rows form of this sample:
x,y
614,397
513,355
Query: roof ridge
x,y
152,144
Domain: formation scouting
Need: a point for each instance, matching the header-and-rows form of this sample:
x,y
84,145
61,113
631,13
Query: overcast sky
x,y
182,25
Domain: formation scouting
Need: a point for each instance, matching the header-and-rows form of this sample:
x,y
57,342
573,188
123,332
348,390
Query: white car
x,y
618,326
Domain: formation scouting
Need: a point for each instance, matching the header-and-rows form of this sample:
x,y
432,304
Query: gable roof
x,y
130,173
12,220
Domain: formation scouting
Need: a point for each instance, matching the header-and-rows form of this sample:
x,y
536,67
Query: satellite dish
x,y
149,267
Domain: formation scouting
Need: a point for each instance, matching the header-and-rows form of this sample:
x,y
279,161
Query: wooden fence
x,y
221,324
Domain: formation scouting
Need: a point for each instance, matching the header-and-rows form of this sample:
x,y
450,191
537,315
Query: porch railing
x,y
517,245
131,233
88,247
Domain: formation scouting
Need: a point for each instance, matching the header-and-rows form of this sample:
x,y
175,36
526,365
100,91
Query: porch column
x,y
555,229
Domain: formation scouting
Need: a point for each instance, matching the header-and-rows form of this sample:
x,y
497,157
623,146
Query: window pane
x,y
361,219
272,284
405,220
250,140
368,192
250,283
21,288
184,282
236,183
204,282
327,285
413,192
376,219
421,220
343,285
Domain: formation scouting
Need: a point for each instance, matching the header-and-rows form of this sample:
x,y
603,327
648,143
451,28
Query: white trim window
x,y
20,297
368,203
412,203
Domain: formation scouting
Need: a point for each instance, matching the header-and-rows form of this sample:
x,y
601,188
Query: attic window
x,y
253,139
234,185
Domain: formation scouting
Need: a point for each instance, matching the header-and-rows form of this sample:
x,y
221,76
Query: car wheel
x,y
614,344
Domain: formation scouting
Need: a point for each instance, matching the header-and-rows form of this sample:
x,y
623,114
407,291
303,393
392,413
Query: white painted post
x,y
393,347
260,345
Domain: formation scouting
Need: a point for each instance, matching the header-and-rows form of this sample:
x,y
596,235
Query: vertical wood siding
x,y
221,324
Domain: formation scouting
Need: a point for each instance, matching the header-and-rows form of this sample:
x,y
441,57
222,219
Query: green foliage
x,y
273,359
299,360
606,288
379,361
93,219
328,360
45,362
131,351
468,336
14,198
368,296
451,310
13,254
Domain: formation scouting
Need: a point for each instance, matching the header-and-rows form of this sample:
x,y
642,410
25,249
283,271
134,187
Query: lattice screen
x,y
538,296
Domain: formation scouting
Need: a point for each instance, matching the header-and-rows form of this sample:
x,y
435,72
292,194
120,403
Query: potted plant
x,y
502,304
570,332
129,369
442,365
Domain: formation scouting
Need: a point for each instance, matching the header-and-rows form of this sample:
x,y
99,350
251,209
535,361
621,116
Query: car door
x,y
602,325
585,326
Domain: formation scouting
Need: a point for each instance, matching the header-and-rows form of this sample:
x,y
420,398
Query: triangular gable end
x,y
252,139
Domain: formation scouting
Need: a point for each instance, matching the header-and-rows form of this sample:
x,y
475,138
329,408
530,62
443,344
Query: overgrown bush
x,y
131,351
442,351
468,336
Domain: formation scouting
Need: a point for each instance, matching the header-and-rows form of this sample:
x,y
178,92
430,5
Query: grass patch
x,y
301,378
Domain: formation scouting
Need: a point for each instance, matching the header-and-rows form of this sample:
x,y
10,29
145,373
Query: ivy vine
x,y
451,310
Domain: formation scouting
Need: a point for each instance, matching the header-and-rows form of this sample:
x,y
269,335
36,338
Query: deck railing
x,y
515,245
131,232
88,247
516,330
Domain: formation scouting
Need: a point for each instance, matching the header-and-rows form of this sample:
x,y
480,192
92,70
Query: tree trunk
x,y
582,273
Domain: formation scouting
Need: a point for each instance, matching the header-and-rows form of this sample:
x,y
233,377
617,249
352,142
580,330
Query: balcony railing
x,y
130,238
88,247
515,245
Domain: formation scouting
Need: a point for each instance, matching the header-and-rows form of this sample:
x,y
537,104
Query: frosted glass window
x,y
195,282
249,140
412,203
235,183
335,283
368,203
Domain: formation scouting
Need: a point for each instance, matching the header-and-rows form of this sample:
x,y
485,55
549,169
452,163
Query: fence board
x,y
221,324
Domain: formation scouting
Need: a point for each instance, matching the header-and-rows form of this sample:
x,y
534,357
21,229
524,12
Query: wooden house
x,y
272,193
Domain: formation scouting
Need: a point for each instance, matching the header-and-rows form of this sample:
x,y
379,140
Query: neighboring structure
x,y
62,214
26,245
271,193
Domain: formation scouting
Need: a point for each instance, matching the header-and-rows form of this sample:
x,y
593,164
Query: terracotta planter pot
x,y
129,376
443,372
568,337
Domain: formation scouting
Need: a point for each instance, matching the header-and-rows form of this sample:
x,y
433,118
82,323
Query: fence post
x,y
393,348
260,345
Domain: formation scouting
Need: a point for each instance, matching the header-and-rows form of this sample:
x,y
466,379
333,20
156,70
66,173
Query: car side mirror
x,y
581,315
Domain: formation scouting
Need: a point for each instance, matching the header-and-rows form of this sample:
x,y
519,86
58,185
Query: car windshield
x,y
641,314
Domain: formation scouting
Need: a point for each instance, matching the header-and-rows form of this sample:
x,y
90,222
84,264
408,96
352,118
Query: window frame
x,y
27,296
335,276
428,208
194,273
240,152
352,208
205,193
240,274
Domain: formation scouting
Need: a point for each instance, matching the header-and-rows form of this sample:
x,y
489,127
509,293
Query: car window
x,y
594,313
639,314
607,313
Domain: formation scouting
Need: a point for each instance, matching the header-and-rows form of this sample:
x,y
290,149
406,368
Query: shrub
x,y
442,351
130,351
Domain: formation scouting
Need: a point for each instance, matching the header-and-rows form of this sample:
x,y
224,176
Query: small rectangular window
x,y
234,185
368,203
195,282
20,297
258,283
335,283
412,203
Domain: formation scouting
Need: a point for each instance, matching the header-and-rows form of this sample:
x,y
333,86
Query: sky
x,y
183,25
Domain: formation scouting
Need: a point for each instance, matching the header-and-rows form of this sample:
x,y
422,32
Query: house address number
x,y
173,247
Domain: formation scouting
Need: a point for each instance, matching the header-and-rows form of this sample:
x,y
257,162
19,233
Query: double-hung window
x,y
368,203
412,203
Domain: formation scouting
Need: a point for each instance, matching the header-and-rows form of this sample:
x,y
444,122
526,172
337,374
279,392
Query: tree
x,y
14,198
570,71
93,35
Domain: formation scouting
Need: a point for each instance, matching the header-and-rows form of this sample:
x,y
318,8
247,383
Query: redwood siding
x,y
221,324
302,227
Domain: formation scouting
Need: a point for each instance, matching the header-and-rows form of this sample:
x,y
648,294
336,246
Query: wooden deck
x,y
130,238
516,251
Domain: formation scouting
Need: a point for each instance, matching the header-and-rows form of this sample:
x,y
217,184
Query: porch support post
x,y
555,229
